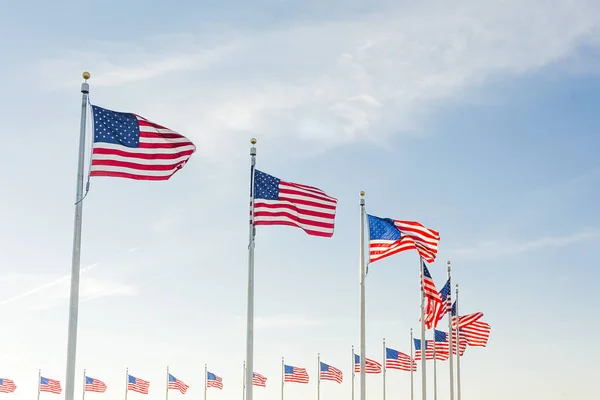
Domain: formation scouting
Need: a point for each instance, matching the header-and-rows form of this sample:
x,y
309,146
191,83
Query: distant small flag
x,y
259,380
295,374
94,385
435,305
138,385
398,360
464,320
175,383
388,237
371,366
329,373
213,380
50,385
476,333
7,386
417,343
129,146
278,202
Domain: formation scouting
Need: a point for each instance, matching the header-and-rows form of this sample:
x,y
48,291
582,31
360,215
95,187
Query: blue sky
x,y
478,120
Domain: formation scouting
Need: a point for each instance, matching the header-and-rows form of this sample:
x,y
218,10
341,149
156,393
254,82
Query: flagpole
x,y
205,379
282,376
450,336
434,368
353,374
318,376
244,382
250,315
412,362
126,381
423,341
384,367
363,275
84,380
39,383
76,257
457,348
167,391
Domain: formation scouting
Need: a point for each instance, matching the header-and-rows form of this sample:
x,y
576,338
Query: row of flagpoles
x,y
126,145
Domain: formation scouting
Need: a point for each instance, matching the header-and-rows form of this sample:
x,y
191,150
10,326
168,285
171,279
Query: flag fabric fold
x,y
371,366
277,202
129,146
398,360
295,374
94,385
213,380
434,306
259,380
476,334
329,373
176,384
50,385
388,237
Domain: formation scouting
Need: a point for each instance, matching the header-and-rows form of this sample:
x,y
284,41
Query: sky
x,y
477,119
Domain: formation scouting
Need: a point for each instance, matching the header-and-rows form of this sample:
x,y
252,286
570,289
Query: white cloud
x,y
494,248
334,81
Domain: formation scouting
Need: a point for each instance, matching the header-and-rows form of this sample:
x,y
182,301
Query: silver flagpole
x,y
282,376
244,382
384,367
423,341
126,382
205,379
318,376
457,349
250,316
353,373
363,275
76,260
450,336
84,380
412,383
39,383
167,390
434,368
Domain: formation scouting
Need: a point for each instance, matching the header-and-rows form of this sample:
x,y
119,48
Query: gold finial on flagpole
x,y
448,262
253,141
86,75
362,194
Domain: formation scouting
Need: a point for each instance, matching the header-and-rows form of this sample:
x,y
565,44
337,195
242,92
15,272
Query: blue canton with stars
x,y
265,186
382,229
116,127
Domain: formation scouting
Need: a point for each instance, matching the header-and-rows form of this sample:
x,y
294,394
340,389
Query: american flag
x,y
441,351
329,373
434,306
50,385
476,333
295,374
137,385
278,202
94,385
175,383
259,380
213,380
464,320
7,385
371,366
397,360
417,343
388,237
129,146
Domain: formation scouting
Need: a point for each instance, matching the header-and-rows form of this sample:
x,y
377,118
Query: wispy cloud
x,y
45,286
509,247
361,79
